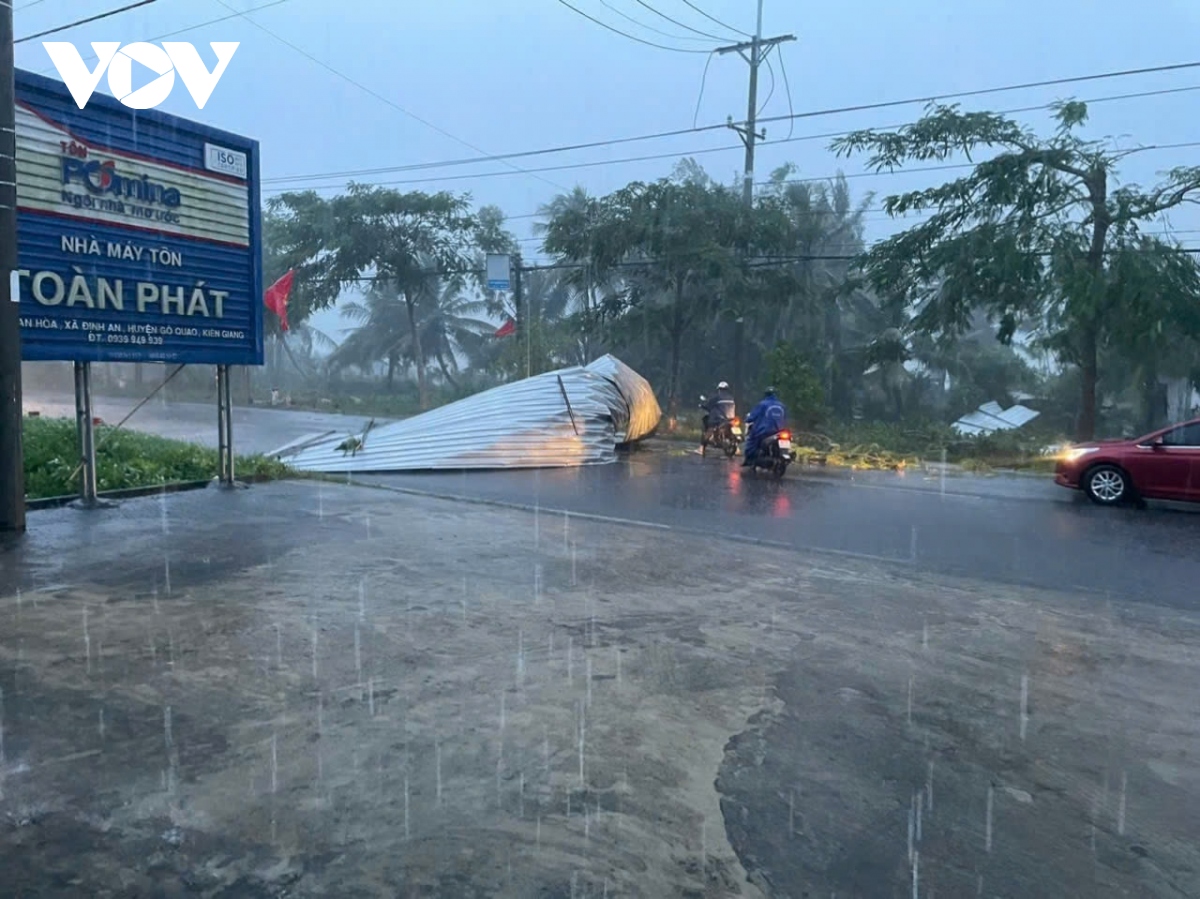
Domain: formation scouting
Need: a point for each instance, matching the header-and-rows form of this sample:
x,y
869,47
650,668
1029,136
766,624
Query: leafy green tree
x,y
809,300
797,385
1034,231
673,246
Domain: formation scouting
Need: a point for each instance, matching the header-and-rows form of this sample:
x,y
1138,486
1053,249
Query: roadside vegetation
x,y
124,460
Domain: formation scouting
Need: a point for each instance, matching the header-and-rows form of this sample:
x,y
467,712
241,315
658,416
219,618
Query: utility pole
x,y
755,52
12,457
523,321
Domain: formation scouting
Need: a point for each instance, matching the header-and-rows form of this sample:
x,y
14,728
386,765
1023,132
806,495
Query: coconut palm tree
x,y
449,316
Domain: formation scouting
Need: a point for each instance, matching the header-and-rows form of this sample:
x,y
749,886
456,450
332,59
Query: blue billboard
x,y
139,234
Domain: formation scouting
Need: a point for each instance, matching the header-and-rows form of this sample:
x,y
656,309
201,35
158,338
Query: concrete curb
x,y
57,502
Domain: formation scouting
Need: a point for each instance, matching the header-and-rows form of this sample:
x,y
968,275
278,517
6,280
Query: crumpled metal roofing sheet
x,y
641,413
570,417
991,417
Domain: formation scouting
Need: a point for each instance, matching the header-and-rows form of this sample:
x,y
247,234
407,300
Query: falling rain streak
x,y
1121,805
987,838
87,640
407,829
1024,705
437,761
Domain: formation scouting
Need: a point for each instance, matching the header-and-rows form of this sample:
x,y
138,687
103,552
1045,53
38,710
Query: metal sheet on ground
x,y
570,417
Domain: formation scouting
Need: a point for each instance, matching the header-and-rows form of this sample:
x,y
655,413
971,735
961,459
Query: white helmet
x,y
722,386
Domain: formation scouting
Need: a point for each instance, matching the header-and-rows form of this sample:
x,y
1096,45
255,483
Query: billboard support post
x,y
86,428
226,475
12,460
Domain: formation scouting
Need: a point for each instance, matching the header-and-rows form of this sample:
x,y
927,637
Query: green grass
x,y
124,460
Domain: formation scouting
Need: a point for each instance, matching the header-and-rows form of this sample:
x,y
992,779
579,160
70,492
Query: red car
x,y
1161,465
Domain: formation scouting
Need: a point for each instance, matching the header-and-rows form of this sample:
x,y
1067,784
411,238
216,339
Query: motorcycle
x,y
774,454
724,435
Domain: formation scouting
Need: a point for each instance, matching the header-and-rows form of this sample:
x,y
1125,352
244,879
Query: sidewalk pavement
x,y
314,689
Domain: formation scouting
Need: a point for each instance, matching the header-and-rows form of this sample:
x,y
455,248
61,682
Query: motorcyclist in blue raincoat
x,y
765,419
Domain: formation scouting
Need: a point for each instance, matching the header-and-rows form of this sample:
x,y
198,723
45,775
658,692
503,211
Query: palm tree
x,y
449,320
577,212
444,312
382,333
826,230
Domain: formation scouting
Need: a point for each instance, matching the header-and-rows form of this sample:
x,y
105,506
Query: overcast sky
x,y
367,84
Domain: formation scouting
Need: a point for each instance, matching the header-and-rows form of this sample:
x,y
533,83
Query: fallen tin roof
x,y
991,417
573,416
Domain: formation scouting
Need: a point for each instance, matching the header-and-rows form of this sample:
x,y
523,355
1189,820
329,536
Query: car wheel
x,y
1107,485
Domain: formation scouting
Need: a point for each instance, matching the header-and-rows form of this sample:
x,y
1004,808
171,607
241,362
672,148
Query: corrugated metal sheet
x,y
574,416
641,413
992,417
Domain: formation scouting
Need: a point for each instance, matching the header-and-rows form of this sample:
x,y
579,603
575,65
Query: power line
x,y
1028,85
177,31
759,263
625,34
787,87
829,135
700,96
629,18
376,94
185,30
771,92
657,12
716,20
792,117
77,22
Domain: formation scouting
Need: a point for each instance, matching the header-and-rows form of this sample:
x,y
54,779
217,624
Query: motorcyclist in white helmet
x,y
720,408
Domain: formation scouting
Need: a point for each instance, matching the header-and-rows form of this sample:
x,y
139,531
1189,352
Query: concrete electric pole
x,y
755,52
12,460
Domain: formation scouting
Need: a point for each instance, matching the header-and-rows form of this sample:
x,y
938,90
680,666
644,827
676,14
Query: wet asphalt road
x,y
1021,530
1012,529
256,429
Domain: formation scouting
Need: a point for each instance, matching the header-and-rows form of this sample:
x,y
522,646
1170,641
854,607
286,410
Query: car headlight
x,y
1078,452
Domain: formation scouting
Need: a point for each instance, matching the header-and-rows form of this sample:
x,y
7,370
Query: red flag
x,y
509,327
276,297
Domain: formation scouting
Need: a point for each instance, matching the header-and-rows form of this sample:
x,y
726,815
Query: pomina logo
x,y
164,61
100,178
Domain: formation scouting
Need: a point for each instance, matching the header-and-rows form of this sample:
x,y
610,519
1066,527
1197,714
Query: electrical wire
x,y
792,117
77,22
378,96
629,18
828,135
886,173
660,13
771,92
639,40
185,30
755,263
716,20
788,88
700,96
